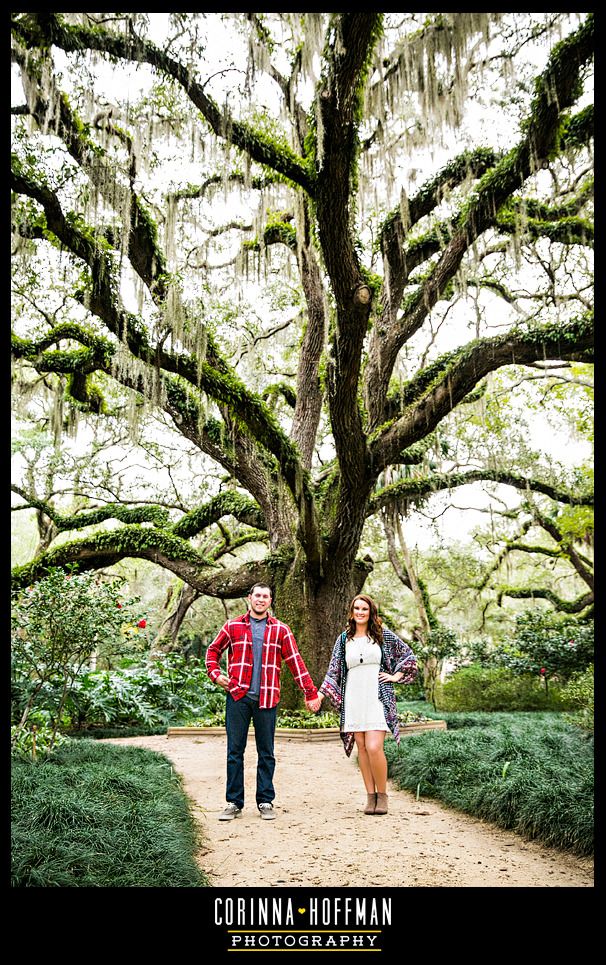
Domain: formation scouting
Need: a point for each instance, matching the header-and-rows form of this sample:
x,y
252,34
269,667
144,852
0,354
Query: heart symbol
x,y
301,911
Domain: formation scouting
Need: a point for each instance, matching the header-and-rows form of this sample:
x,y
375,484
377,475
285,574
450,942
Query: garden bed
x,y
307,733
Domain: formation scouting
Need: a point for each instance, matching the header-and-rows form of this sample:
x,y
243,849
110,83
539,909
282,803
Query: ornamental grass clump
x,y
533,776
101,816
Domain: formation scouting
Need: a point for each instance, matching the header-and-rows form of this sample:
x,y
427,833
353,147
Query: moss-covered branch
x,y
541,593
281,389
577,130
276,232
566,547
457,373
107,548
565,230
525,218
439,482
195,191
41,30
467,165
225,504
92,517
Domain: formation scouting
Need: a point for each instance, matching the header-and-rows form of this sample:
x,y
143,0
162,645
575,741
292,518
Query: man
x,y
256,643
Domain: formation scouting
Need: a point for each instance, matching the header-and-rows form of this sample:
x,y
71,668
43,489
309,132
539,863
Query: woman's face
x,y
361,611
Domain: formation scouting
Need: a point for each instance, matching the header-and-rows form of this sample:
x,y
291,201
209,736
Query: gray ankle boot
x,y
371,801
381,806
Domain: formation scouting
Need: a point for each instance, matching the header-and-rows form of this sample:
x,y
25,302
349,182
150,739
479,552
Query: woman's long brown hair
x,y
375,624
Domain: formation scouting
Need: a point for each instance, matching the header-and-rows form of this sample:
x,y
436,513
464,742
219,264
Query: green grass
x,y
101,816
528,772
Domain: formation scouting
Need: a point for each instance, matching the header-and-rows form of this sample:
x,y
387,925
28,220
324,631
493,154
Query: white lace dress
x,y
363,709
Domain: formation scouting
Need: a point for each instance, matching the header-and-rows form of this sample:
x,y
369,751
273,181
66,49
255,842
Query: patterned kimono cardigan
x,y
396,656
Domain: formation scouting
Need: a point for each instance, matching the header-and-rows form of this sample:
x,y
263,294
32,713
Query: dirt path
x,y
321,837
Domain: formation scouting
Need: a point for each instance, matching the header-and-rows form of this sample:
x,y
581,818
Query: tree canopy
x,y
307,240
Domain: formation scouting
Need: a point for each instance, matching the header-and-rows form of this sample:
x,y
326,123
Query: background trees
x,y
308,244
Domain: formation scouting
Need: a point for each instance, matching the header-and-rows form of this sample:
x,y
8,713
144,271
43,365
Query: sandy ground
x,y
321,837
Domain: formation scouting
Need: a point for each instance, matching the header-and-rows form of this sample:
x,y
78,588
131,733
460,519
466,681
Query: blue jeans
x,y
238,715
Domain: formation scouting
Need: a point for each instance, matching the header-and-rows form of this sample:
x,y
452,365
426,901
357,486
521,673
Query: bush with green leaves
x,y
440,644
548,645
57,625
306,720
160,691
496,688
580,692
477,650
32,742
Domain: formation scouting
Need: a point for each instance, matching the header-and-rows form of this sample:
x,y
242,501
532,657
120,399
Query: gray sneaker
x,y
266,811
231,811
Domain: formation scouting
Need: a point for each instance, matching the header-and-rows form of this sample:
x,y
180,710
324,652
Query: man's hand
x,y
314,705
223,682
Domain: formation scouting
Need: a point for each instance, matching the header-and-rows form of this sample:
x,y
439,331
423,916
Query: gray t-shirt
x,y
258,632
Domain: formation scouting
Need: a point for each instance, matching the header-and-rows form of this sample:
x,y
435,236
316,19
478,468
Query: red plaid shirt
x,y
236,637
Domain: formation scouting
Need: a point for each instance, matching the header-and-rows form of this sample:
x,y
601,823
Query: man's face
x,y
259,602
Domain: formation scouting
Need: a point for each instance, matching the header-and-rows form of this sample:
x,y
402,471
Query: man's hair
x,y
261,586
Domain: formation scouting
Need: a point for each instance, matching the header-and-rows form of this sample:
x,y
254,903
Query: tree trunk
x,y
408,576
316,615
166,640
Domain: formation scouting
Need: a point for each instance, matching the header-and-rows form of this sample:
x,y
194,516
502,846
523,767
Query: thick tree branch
x,y
540,593
399,259
451,378
126,514
438,482
105,549
566,548
42,29
556,90
225,504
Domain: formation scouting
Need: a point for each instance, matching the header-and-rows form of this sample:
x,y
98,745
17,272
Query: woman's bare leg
x,y
377,762
364,761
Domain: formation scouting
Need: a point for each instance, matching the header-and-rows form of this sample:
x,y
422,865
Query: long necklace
x,y
361,653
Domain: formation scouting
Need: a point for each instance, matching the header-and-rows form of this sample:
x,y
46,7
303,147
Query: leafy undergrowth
x,y
95,815
532,773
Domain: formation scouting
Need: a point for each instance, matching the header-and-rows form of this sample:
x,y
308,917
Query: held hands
x,y
223,682
314,705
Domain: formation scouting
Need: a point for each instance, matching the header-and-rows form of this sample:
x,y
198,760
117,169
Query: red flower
x,y
543,670
142,624
119,605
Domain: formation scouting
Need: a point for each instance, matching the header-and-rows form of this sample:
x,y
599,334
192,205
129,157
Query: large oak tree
x,y
319,139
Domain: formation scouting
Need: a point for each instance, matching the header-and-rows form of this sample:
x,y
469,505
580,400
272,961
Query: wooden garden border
x,y
305,734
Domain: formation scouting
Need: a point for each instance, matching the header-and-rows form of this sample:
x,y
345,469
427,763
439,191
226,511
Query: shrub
x,y
579,690
496,688
31,742
544,643
56,627
150,694
298,719
306,720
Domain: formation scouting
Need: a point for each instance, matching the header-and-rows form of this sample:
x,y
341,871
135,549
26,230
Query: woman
x,y
367,659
